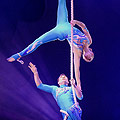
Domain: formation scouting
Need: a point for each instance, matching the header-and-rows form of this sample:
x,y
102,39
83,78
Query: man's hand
x,y
35,72
72,82
33,68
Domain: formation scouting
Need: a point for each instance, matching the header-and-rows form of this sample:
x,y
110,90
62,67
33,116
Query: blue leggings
x,y
60,32
75,113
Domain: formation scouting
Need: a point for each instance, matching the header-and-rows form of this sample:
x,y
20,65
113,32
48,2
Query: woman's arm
x,y
84,28
77,88
77,57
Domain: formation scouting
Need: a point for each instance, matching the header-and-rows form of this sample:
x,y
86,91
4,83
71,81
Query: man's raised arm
x,y
35,72
38,82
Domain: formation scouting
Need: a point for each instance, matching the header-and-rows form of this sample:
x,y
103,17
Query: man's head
x,y
88,56
63,80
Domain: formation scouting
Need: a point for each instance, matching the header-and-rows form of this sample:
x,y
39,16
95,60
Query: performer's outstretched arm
x,y
47,37
77,57
35,72
84,28
39,84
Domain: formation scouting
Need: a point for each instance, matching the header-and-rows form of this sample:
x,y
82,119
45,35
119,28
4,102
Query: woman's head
x,y
88,56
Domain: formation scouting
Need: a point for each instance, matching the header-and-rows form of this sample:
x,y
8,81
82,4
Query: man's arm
x,y
35,72
38,82
84,28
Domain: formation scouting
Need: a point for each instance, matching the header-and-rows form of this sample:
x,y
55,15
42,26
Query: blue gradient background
x,y
21,22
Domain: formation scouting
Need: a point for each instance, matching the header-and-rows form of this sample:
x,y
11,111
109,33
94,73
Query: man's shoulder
x,y
55,87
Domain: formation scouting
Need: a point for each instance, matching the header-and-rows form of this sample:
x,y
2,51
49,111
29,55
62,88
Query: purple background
x,y
21,22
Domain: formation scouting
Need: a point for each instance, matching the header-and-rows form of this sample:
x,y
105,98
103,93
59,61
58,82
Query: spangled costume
x,y
64,98
62,31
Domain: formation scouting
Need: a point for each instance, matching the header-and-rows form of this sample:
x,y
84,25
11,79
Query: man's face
x,y
63,80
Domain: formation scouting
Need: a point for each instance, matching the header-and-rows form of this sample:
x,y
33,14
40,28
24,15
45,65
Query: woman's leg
x,y
62,15
47,37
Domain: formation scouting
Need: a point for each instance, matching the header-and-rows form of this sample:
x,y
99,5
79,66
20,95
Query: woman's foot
x,y
10,59
14,57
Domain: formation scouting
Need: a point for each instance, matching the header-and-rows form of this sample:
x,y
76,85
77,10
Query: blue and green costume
x,y
62,31
64,98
